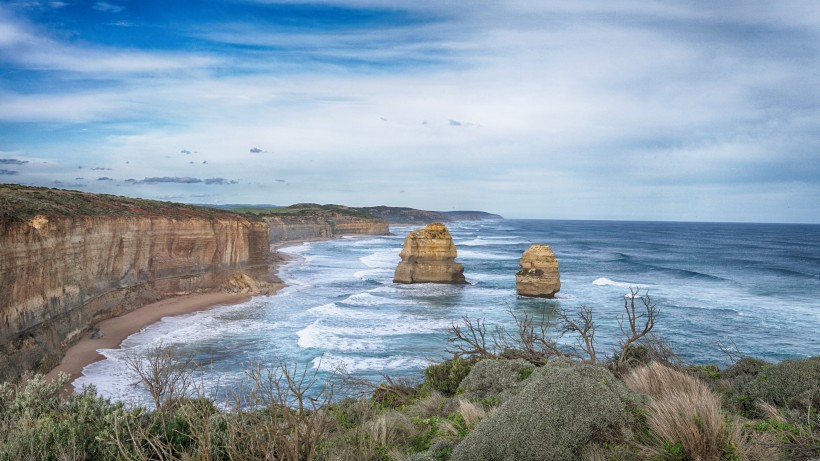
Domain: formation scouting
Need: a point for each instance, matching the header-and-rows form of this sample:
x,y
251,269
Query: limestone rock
x,y
539,275
82,258
429,256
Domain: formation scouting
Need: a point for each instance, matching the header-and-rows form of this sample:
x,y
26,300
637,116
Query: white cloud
x,y
573,108
108,7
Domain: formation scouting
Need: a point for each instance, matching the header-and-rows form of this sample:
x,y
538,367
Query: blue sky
x,y
654,110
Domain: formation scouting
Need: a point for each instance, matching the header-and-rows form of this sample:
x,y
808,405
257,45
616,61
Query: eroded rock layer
x,y
428,256
539,276
290,228
62,272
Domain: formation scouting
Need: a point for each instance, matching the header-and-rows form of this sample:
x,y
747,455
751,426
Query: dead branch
x,y
584,326
641,314
470,340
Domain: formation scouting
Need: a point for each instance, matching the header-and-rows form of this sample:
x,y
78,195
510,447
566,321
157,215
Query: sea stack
x,y
539,275
429,256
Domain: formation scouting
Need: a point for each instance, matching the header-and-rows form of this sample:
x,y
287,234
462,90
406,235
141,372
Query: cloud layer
x,y
594,110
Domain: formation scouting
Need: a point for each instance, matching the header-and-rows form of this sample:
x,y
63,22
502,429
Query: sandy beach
x,y
113,331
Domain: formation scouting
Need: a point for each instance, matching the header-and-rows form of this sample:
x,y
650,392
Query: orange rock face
x,y
61,274
429,256
539,276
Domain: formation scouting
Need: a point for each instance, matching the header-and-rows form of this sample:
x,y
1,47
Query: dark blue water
x,y
754,285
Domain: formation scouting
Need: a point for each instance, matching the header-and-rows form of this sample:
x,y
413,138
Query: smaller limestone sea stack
x,y
539,275
429,256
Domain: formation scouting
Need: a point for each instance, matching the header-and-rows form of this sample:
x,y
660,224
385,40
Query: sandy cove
x,y
113,331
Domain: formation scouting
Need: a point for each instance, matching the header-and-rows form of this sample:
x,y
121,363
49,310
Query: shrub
x,y
792,383
559,411
746,366
684,415
495,379
445,377
35,423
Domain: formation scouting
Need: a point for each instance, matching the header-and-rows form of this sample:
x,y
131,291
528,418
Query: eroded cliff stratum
x,y
70,259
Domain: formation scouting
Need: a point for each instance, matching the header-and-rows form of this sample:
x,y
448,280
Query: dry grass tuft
x,y
432,405
390,428
471,413
683,411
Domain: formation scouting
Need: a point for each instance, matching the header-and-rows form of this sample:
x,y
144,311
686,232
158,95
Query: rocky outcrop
x,y
429,256
412,216
320,226
69,260
539,275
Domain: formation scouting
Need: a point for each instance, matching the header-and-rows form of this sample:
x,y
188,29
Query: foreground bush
x,y
560,411
496,380
36,424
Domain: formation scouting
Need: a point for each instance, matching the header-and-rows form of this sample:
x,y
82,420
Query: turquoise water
x,y
757,285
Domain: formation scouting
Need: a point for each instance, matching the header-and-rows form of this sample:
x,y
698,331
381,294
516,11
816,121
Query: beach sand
x,y
113,331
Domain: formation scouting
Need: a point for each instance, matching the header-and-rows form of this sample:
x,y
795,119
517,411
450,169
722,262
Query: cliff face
x,y
403,215
539,276
429,256
60,273
306,227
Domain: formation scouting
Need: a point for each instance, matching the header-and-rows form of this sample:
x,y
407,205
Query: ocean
x,y
755,287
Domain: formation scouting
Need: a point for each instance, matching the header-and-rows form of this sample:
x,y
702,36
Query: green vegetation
x,y
22,203
302,209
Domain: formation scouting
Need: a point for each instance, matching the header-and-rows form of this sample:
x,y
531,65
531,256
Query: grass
x,y
21,203
684,415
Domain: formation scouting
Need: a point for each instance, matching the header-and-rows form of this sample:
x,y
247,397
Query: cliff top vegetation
x,y
302,209
21,203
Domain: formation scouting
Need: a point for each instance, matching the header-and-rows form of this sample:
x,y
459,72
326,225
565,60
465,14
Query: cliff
x,y
70,259
403,215
539,276
308,221
428,256
390,214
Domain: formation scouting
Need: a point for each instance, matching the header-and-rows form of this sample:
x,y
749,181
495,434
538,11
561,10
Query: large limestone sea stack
x,y
429,256
539,275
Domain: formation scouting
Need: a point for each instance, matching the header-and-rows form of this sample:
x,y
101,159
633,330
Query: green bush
x,y
35,423
559,411
496,379
445,377
792,383
745,367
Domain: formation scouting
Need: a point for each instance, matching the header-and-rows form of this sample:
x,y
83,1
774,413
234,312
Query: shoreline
x,y
110,333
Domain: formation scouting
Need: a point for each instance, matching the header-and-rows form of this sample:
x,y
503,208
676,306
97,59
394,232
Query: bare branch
x,y
469,340
584,327
641,314
165,373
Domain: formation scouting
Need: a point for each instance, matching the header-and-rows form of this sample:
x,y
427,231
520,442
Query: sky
x,y
634,110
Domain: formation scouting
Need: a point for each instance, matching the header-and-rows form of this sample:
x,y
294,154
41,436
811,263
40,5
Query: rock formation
x,y
69,260
429,256
539,275
290,228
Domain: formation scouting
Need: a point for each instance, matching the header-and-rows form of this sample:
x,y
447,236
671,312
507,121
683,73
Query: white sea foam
x,y
200,326
482,241
333,310
483,255
367,299
382,259
319,336
603,281
361,242
374,274
369,333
